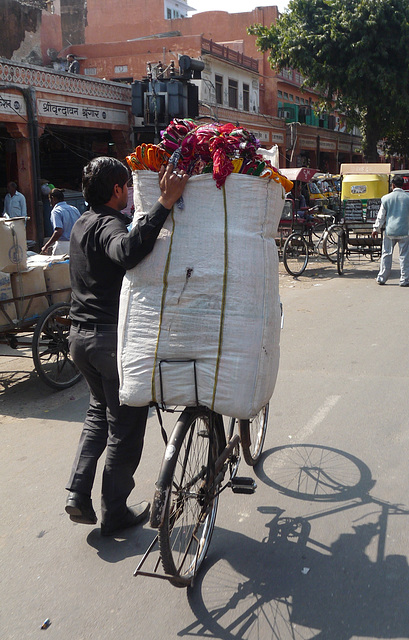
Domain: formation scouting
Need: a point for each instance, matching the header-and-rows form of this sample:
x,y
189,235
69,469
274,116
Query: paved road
x,y
320,551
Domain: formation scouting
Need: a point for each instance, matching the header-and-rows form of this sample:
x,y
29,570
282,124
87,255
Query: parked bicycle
x,y
199,463
317,236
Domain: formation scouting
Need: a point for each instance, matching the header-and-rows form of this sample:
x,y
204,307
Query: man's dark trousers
x,y
107,424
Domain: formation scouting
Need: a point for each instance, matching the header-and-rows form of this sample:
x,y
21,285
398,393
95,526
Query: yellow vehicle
x,y
325,184
328,185
363,185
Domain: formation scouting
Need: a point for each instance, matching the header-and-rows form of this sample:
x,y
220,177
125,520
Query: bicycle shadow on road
x,y
291,585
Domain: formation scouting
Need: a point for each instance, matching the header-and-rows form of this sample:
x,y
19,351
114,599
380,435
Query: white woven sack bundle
x,y
199,318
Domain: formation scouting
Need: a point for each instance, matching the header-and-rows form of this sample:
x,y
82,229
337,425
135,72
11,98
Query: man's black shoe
x,y
133,516
79,507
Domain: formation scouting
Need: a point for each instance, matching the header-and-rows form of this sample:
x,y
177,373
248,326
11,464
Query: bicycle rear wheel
x,y
295,254
190,512
252,436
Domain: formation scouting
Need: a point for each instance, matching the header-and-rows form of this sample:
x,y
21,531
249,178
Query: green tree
x,y
355,53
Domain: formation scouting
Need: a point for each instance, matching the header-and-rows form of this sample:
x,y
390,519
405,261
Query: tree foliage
x,y
355,53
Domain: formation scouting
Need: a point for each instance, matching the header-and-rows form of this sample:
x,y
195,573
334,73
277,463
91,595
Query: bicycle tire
x,y
341,253
252,436
295,254
190,512
51,354
330,242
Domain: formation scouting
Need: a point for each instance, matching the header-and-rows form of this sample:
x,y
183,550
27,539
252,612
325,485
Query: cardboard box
x,y
13,244
8,313
24,285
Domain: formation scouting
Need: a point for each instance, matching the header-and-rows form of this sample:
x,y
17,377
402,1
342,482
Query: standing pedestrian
x,y
63,218
73,64
101,250
14,203
394,215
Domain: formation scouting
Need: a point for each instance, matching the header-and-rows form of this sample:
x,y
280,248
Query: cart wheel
x,y
295,254
50,348
340,253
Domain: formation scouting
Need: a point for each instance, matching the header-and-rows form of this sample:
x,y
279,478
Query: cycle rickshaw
x,y
362,189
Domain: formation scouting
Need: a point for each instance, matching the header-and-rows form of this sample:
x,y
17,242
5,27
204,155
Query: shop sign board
x,y
327,145
260,135
12,104
277,138
307,143
85,113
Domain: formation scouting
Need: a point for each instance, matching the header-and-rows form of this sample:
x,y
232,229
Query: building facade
x,y
51,125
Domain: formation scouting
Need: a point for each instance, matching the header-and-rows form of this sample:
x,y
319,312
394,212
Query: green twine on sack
x,y
162,306
226,262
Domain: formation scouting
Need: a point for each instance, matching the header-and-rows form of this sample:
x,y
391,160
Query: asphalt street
x,y
319,551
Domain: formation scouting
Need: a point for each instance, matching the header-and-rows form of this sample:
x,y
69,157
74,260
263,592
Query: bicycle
x,y
196,460
317,236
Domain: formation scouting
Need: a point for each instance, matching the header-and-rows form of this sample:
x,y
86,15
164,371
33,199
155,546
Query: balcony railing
x,y
222,51
62,83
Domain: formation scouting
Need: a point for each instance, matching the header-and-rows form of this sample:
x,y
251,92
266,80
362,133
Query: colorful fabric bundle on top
x,y
220,149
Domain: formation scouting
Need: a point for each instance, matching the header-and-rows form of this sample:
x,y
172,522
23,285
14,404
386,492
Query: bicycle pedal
x,y
239,484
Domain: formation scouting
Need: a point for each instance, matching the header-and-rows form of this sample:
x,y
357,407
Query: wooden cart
x,y
46,334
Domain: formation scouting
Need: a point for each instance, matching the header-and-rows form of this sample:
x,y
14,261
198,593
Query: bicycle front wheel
x,y
190,512
252,436
295,254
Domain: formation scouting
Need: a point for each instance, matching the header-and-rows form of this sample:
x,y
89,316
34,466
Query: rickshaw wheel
x,y
330,242
51,354
341,253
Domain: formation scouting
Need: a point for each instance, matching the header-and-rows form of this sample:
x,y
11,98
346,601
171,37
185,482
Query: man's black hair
x,y
57,194
99,178
397,181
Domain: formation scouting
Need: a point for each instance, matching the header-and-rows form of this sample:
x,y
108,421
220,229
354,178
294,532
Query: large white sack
x,y
183,303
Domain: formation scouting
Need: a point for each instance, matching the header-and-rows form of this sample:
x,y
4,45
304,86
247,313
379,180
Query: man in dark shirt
x,y
101,249
73,64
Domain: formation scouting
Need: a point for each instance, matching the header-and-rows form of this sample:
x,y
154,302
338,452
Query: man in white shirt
x,y
394,215
14,203
63,217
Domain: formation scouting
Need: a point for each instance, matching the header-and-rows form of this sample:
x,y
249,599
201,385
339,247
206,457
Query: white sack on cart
x,y
172,303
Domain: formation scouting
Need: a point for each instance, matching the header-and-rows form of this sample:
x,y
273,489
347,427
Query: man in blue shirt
x,y
394,215
14,203
63,217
